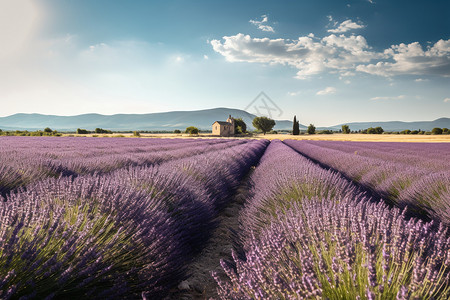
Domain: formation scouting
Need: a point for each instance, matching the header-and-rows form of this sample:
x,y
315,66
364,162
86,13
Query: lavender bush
x,y
284,177
27,159
403,178
118,234
341,250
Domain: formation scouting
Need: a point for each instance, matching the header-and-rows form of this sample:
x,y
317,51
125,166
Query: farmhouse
x,y
223,128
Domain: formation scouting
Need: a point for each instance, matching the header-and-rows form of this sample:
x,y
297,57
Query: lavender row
x,y
430,156
309,233
115,235
426,193
284,177
24,160
323,249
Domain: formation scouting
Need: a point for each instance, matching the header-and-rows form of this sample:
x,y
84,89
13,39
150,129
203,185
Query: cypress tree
x,y
296,127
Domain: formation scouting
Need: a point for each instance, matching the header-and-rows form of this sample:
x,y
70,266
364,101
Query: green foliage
x,y
191,130
82,131
136,134
240,126
415,132
444,130
263,124
376,130
48,130
31,133
326,131
345,129
101,130
177,131
436,130
295,127
311,129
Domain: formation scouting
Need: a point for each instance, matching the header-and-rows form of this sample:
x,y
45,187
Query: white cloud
x,y
327,91
412,59
309,55
337,53
388,98
447,100
294,93
420,80
346,26
205,56
262,25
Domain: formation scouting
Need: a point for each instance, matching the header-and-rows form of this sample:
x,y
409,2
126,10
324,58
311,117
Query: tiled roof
x,y
222,123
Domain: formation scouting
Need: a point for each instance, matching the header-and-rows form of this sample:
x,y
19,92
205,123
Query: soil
x,y
200,284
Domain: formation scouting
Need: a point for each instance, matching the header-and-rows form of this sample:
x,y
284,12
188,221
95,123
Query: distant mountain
x,y
398,126
170,121
202,119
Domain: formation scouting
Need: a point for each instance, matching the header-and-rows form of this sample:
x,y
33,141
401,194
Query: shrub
x,y
240,126
311,129
326,131
345,129
136,134
191,130
48,130
177,131
82,131
101,130
436,130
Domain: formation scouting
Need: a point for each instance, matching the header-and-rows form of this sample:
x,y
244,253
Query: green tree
x,y
295,127
82,131
345,129
444,130
136,133
191,130
240,126
48,130
379,130
177,131
263,123
311,129
436,130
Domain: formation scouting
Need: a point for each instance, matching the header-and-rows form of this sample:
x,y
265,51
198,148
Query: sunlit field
x,y
121,218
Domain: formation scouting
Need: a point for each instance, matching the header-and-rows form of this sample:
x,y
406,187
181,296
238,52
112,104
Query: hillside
x,y
399,126
170,121
202,119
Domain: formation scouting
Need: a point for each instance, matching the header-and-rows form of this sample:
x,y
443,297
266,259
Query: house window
x,y
216,127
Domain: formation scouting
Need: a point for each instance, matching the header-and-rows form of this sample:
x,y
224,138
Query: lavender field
x,y
123,218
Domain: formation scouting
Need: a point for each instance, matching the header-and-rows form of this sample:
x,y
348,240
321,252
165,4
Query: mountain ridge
x,y
172,120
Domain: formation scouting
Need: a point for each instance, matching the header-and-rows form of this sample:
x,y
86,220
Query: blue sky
x,y
328,62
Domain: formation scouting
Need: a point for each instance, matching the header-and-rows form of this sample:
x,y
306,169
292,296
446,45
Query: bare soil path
x,y
200,284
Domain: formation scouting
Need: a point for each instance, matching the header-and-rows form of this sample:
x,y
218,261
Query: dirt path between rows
x,y
200,284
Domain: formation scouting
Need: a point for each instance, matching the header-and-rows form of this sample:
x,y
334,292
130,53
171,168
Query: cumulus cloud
x,y
388,98
327,91
345,26
341,54
262,25
412,59
447,100
309,55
